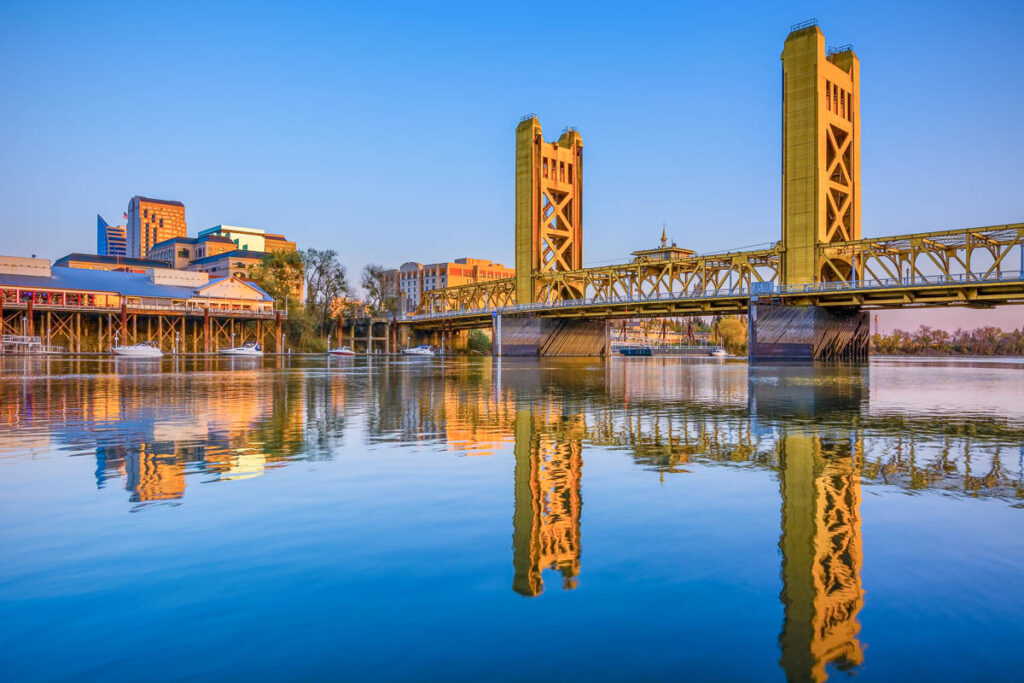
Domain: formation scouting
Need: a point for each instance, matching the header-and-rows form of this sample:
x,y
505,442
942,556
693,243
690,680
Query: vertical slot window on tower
x,y
545,165
849,108
561,171
828,95
843,100
570,174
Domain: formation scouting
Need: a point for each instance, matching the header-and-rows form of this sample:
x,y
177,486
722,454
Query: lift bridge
x,y
806,297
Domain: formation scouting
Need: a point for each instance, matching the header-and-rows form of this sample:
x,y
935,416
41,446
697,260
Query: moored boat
x,y
341,351
421,350
146,349
635,350
719,352
246,349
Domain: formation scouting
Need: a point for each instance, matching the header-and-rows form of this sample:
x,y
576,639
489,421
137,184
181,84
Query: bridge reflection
x,y
818,430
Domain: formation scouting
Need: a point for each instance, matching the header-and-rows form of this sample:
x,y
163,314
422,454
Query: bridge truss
x,y
974,266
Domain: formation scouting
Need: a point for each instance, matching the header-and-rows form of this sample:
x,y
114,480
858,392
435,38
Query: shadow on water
x,y
157,427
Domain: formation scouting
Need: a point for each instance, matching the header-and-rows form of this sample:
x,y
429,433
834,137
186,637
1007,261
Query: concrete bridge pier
x,y
778,332
534,336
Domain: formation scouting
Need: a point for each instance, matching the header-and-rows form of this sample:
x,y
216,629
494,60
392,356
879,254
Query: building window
x,y
828,95
145,213
545,167
161,222
561,171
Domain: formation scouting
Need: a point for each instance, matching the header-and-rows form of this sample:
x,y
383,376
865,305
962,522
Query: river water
x,y
640,518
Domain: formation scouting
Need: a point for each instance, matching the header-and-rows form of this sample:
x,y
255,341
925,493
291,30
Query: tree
x,y
372,282
280,275
325,284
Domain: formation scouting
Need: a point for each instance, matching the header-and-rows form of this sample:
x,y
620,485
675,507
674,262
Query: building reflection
x,y
546,521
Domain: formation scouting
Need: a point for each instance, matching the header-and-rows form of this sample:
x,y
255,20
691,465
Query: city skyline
x,y
336,125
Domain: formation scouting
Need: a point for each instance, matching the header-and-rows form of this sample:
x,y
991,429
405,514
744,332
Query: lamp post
x,y
232,337
177,335
284,342
117,336
328,342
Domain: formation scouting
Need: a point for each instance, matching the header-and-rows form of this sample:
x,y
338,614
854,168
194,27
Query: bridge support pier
x,y
778,332
533,336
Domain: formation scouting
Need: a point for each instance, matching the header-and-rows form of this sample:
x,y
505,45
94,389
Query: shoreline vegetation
x,y
928,341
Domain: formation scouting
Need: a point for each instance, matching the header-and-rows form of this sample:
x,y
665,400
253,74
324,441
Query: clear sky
x,y
386,130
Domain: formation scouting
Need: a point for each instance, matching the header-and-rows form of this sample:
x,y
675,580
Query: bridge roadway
x,y
975,267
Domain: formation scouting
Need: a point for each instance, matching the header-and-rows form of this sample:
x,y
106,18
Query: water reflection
x,y
157,428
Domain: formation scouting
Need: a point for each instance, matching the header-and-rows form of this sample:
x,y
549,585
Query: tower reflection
x,y
546,522
821,555
819,482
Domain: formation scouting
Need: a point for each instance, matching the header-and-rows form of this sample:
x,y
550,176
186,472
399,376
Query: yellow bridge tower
x,y
820,156
549,205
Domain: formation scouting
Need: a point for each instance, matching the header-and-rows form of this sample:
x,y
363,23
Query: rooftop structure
x,y
250,239
102,262
665,252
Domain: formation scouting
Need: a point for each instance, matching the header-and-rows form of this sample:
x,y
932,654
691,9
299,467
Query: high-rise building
x,y
110,239
151,221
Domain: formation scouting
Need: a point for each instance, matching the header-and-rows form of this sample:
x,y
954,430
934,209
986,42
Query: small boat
x,y
341,351
421,350
246,349
635,350
719,352
146,349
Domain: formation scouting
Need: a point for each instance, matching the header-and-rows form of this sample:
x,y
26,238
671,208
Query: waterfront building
x,y
235,263
151,221
110,239
408,282
250,239
182,252
35,280
104,262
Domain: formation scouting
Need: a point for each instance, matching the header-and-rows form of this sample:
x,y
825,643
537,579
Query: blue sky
x,y
386,130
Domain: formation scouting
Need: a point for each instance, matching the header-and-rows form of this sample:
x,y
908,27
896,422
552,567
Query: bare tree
x,y
326,283
372,282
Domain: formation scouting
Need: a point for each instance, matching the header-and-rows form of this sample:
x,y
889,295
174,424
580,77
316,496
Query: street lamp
x,y
328,342
117,336
284,341
177,335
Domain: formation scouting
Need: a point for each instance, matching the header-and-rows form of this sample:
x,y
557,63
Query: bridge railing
x,y
912,281
902,283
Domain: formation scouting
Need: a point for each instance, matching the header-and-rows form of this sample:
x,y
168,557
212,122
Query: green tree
x,y
280,274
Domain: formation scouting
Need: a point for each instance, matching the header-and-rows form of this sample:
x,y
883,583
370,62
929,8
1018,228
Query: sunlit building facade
x,y
151,221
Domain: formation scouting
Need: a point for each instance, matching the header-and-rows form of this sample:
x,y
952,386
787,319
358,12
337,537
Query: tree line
x,y
313,287
928,341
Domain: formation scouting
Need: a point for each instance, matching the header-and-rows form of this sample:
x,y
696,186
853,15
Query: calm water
x,y
470,519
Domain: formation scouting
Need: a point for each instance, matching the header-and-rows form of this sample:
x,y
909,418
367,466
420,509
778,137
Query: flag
x,y
126,215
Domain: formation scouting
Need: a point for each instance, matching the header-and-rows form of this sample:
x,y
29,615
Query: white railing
x,y
760,289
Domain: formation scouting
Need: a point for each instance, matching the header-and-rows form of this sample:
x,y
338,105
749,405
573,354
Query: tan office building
x,y
151,221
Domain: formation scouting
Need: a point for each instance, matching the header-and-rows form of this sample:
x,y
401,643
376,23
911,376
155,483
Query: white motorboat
x,y
146,349
246,349
341,351
421,350
719,353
